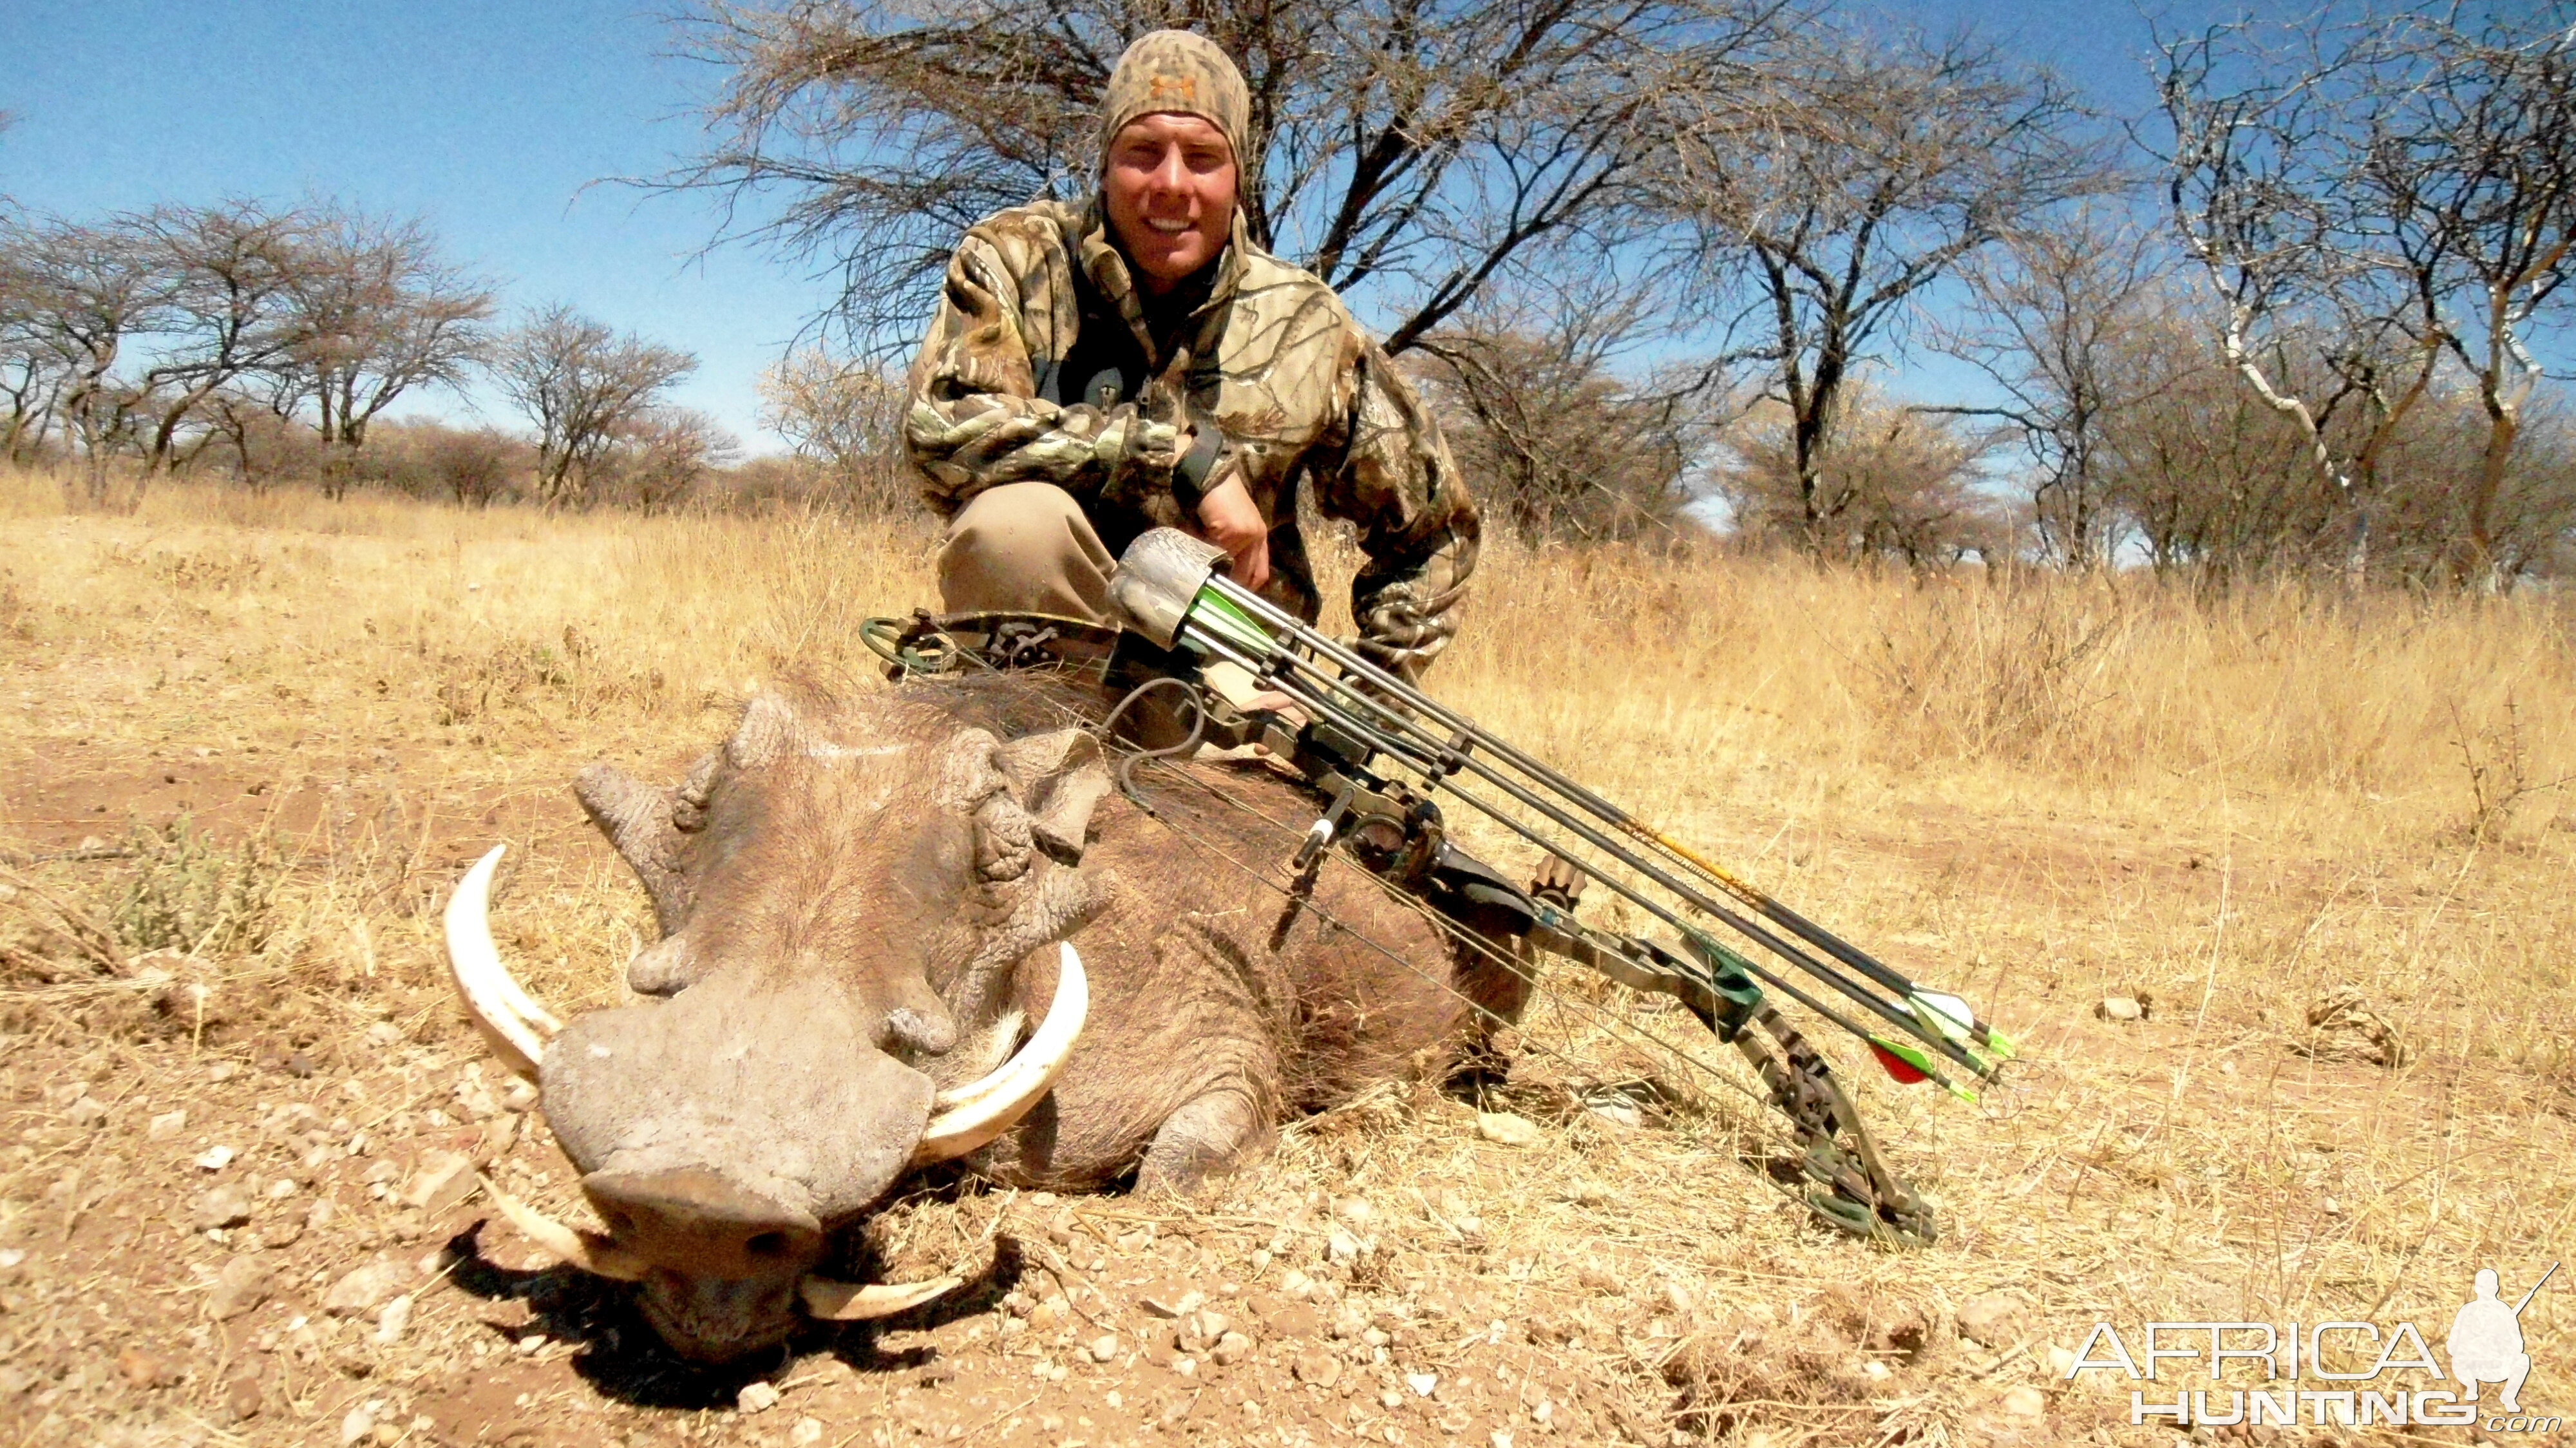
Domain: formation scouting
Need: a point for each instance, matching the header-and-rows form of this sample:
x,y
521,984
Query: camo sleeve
x,y
1418,526
973,419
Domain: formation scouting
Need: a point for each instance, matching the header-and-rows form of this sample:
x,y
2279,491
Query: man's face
x,y
1169,189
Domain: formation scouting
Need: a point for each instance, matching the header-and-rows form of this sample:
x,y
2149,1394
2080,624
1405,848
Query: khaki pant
x,y
1025,548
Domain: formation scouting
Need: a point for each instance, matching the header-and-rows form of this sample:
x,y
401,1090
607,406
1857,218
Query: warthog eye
x,y
767,1244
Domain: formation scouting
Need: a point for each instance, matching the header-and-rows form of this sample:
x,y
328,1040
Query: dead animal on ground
x,y
919,926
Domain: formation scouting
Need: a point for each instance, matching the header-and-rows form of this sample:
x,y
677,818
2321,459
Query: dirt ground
x,y
236,1173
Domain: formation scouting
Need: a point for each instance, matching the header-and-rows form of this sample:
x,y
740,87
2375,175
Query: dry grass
x,y
2034,789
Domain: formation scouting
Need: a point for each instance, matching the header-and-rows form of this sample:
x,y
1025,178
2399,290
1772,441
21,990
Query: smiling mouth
x,y
1168,227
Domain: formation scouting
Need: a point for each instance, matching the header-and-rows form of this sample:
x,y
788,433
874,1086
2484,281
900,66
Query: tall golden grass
x,y
2034,787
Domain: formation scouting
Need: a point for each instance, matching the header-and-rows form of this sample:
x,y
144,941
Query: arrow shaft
x,y
2535,1289
1466,729
1325,705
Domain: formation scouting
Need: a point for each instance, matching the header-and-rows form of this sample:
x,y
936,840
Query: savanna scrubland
x,y
2321,834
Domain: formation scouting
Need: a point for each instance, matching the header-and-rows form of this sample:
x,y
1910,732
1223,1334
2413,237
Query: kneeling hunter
x,y
1135,361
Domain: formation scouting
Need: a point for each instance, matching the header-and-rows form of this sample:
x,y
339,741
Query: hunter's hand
x,y
1234,524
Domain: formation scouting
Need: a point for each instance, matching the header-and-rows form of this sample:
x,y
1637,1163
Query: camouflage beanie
x,y
1177,71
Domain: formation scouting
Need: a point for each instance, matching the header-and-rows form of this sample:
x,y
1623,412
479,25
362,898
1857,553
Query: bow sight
x,y
1383,756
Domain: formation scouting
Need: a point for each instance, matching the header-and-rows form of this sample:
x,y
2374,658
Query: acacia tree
x,y
1899,483
1423,150
2053,310
2467,155
77,295
2267,190
846,417
378,312
1881,170
1561,444
229,273
580,382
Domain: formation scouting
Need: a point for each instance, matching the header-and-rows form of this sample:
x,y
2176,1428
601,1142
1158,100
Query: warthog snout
x,y
844,926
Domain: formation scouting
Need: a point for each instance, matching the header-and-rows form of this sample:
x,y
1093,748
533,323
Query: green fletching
x,y
1213,612
1908,1064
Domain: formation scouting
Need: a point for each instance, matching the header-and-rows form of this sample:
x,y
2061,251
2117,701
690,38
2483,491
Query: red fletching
x,y
1896,1066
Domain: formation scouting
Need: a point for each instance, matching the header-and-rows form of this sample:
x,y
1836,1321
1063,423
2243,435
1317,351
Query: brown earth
x,y
343,714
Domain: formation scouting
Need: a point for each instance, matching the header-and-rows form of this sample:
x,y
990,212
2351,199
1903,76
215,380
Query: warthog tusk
x,y
588,1251
849,1302
514,1025
972,1115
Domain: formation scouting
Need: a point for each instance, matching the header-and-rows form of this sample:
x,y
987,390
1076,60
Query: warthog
x,y
862,903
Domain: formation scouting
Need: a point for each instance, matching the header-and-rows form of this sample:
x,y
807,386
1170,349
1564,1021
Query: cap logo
x,y
1173,89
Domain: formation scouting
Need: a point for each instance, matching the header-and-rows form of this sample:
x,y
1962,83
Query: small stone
x,y
299,1066
1104,1347
224,1206
1989,1316
2119,1008
756,1397
280,1189
391,1322
2330,1207
445,1181
239,1287
1422,1383
1499,1439
1318,1367
1167,1306
1544,1413
1297,1285
1354,1210
474,1096
808,1431
500,1134
358,1425
165,1126
362,1291
87,1111
2026,1402
1874,1369
1341,1246
531,1345
518,1096
1505,1128
1390,1400
1211,1324
2060,1362
141,1368
215,1158
241,1397
1230,1349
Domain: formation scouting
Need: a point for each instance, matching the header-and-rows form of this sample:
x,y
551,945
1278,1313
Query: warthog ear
x,y
637,820
769,729
1059,777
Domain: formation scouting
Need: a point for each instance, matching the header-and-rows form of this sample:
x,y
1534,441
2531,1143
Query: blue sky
x,y
492,120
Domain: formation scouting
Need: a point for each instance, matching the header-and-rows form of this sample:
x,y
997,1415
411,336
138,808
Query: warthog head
x,y
846,895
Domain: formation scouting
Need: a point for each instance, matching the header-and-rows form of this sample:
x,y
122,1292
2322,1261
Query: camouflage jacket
x,y
1044,365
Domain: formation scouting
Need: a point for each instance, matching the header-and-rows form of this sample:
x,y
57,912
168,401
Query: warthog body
x,y
862,901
